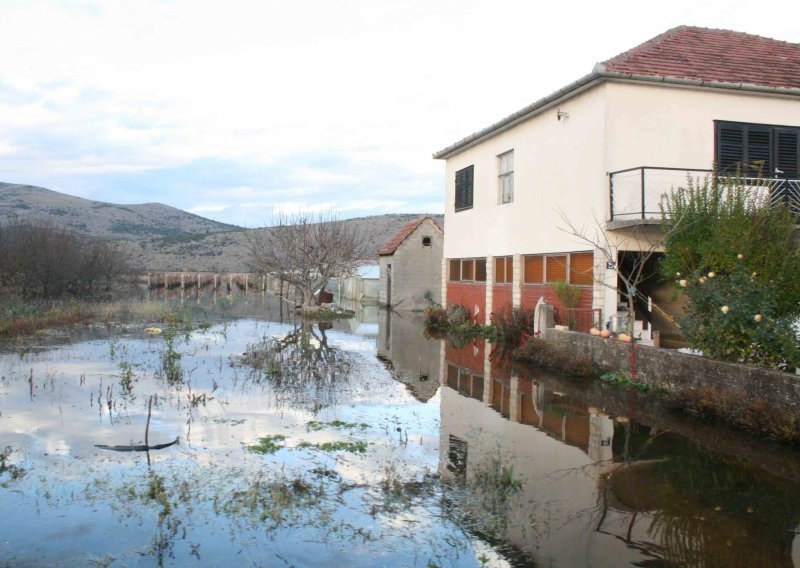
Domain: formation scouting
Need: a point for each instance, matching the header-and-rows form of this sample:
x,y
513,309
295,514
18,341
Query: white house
x,y
608,147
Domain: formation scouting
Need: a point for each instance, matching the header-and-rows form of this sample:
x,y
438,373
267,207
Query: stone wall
x,y
416,270
673,371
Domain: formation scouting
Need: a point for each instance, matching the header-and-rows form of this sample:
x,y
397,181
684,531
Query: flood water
x,y
360,443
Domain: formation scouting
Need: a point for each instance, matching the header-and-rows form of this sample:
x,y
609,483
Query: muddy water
x,y
360,444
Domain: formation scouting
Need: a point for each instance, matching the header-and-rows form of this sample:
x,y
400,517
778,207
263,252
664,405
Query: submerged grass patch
x,y
315,426
268,444
354,447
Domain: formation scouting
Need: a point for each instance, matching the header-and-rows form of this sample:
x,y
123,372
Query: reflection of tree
x,y
302,367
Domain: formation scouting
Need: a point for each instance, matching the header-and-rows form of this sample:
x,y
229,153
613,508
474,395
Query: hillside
x,y
159,237
101,220
226,252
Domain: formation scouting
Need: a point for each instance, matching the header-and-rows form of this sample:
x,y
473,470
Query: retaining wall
x,y
673,371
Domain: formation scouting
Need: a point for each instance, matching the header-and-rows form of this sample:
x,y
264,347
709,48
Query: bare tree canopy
x,y
307,249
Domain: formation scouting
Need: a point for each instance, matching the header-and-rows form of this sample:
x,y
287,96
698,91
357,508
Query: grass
x,y
357,447
315,426
268,444
624,380
21,320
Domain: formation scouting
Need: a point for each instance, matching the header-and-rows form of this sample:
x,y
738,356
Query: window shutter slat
x,y
787,154
556,268
533,273
730,149
581,269
759,143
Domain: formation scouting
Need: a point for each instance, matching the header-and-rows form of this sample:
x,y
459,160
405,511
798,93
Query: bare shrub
x,y
43,260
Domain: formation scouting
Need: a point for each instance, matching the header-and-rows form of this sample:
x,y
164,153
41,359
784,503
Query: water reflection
x,y
412,358
302,444
602,490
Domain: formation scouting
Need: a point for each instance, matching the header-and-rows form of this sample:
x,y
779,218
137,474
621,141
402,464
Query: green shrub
x,y
735,317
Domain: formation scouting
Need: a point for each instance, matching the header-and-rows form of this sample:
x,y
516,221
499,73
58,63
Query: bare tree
x,y
307,250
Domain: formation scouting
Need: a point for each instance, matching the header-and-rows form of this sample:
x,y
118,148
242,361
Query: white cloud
x,y
140,86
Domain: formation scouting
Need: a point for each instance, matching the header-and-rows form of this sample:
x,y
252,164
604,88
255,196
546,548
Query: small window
x,y
556,268
506,177
467,270
504,269
455,270
480,270
426,241
464,180
534,269
581,269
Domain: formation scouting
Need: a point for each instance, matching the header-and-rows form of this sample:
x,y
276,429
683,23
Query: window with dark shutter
x,y
464,182
787,153
753,150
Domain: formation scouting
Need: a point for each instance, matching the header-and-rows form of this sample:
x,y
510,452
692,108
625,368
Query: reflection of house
x,y
412,358
593,491
410,265
608,147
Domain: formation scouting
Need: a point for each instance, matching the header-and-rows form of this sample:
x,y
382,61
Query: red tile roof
x,y
404,233
704,54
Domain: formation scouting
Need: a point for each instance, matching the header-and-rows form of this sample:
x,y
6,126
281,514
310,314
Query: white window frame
x,y
505,177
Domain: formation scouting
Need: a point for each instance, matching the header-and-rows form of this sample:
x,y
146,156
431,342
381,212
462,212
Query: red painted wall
x,y
469,357
501,297
469,294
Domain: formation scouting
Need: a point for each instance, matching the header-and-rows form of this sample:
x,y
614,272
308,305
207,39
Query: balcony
x,y
637,194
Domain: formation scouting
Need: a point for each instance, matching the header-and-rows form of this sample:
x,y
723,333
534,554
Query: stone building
x,y
411,266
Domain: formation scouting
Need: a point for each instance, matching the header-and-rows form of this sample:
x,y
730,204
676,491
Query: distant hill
x,y
99,219
227,252
159,237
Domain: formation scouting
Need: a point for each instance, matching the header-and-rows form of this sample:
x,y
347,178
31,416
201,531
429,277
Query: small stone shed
x,y
411,266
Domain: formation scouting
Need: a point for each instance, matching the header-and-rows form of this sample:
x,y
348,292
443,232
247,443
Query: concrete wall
x,y
672,371
415,270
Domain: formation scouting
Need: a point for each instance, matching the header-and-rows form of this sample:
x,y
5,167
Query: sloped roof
x,y
712,55
405,232
686,55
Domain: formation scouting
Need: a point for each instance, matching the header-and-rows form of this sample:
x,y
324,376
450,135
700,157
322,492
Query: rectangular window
x,y
480,270
455,270
555,268
467,270
753,150
581,269
505,181
575,268
504,269
464,181
534,269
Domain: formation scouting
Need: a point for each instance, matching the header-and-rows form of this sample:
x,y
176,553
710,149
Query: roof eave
x,y
595,77
522,115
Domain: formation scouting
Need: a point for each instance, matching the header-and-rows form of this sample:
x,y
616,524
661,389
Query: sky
x,y
238,110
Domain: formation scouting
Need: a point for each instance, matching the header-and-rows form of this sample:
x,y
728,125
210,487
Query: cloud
x,y
306,101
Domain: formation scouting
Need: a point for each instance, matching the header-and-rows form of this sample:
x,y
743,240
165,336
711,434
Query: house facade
x,y
410,266
601,154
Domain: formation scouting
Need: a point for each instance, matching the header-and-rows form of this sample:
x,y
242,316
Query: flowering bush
x,y
735,316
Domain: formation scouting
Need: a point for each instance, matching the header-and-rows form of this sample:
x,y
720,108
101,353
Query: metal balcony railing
x,y
639,193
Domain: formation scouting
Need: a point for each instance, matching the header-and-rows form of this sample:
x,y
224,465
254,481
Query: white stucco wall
x,y
558,163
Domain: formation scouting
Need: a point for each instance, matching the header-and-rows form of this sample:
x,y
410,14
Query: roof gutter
x,y
597,76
